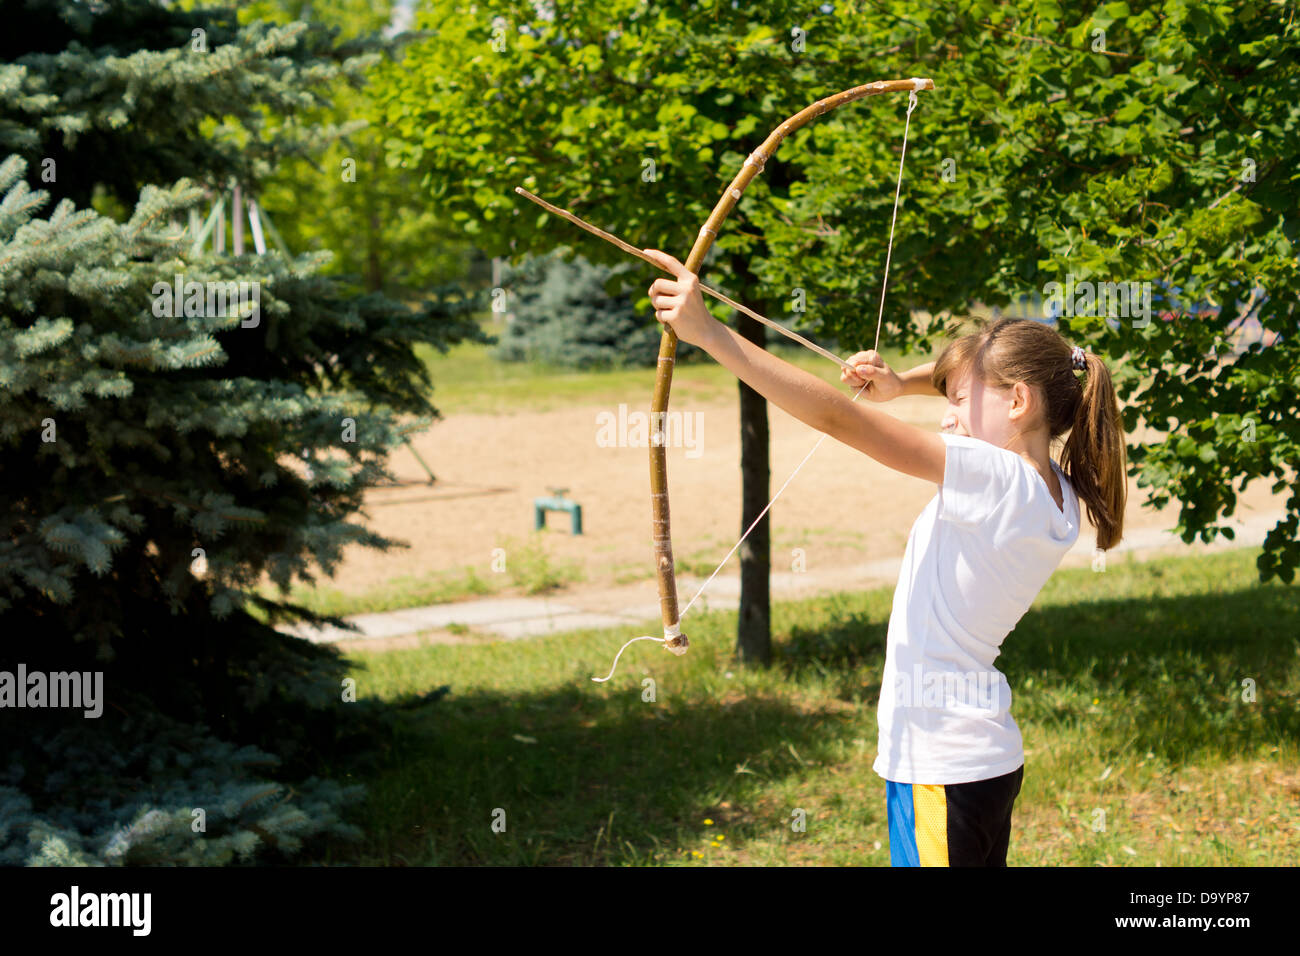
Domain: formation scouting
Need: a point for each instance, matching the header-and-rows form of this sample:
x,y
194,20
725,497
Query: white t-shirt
x,y
975,560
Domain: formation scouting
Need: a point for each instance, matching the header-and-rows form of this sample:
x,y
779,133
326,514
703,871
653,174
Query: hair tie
x,y
1077,361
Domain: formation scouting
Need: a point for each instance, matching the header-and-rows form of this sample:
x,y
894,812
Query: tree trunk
x,y
754,627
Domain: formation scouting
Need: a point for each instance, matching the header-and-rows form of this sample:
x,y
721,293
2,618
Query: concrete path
x,y
635,608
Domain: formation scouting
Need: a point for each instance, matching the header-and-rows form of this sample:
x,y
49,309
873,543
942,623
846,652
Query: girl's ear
x,y
1021,394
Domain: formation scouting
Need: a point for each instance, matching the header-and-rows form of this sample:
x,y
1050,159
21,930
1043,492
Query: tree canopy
x,y
1153,144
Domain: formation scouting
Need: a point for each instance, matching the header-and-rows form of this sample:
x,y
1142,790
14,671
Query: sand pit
x,y
843,509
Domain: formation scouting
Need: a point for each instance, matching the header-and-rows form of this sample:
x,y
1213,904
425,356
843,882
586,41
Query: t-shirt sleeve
x,y
977,477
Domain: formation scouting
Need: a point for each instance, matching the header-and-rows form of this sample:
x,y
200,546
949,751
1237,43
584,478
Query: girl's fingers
x,y
668,288
667,308
668,261
869,359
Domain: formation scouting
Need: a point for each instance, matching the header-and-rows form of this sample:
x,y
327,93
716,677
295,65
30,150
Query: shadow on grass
x,y
612,779
1170,675
659,768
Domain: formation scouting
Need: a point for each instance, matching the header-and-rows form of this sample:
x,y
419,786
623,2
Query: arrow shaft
x,y
720,296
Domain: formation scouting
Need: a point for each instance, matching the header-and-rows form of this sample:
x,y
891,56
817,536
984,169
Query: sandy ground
x,y
842,509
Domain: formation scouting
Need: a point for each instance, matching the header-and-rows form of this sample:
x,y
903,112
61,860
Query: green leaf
x,y
1129,111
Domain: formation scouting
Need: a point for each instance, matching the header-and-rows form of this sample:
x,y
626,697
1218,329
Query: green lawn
x,y
1127,687
532,571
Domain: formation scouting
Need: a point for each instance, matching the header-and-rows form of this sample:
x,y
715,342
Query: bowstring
x,y
884,283
889,251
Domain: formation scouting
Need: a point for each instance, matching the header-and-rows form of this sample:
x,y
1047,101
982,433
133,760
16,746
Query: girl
x,y
1004,516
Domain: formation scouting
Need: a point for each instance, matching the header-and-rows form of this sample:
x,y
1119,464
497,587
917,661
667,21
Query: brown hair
x,y
1094,457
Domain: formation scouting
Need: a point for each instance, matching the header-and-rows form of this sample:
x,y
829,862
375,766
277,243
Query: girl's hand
x,y
882,382
678,302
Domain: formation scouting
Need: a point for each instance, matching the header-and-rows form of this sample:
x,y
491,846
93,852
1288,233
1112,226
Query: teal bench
x,y
556,502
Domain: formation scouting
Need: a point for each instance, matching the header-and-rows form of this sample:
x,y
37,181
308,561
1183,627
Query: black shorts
x,y
955,824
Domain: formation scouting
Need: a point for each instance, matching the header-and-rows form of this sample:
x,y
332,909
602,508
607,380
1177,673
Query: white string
x,y
760,516
674,630
647,637
884,282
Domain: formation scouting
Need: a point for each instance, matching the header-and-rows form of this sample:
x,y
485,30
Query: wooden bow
x,y
674,640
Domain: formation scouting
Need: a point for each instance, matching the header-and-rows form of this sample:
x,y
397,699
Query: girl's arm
x,y
916,381
814,402
886,384
679,304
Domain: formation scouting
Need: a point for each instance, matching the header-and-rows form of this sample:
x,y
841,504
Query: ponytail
x,y
1095,456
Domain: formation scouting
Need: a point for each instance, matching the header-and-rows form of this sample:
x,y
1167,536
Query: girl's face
x,y
974,409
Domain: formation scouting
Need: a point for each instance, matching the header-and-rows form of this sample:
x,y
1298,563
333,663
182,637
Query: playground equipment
x,y
557,502
236,202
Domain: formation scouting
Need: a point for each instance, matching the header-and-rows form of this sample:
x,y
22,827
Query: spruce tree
x,y
562,314
150,443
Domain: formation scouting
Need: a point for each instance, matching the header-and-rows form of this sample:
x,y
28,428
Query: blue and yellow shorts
x,y
955,824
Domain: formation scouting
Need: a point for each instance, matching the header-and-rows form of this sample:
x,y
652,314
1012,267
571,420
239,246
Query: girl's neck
x,y
1035,449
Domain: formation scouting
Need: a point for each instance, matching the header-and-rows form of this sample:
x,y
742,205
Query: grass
x,y
530,570
1127,684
